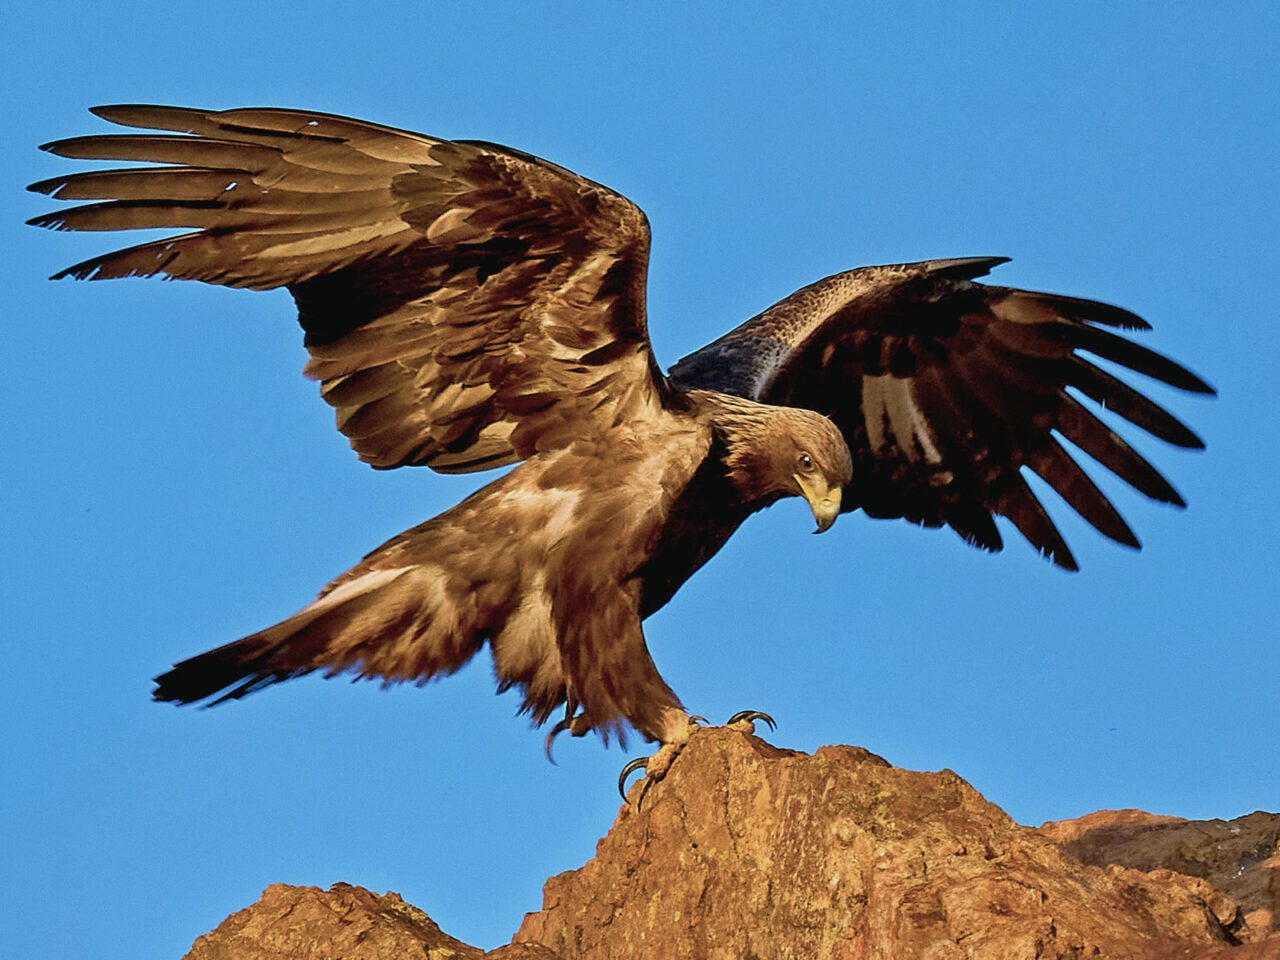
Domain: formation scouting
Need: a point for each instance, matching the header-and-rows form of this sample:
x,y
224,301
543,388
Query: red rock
x,y
1240,858
747,851
307,923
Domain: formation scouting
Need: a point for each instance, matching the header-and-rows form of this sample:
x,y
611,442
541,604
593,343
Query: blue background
x,y
171,482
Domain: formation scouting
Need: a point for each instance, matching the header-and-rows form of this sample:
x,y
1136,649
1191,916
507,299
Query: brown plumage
x,y
467,306
945,389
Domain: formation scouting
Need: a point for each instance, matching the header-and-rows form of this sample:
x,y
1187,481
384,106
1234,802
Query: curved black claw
x,y
558,729
576,724
751,716
639,763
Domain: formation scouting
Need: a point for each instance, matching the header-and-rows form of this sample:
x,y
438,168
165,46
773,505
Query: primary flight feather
x,y
467,306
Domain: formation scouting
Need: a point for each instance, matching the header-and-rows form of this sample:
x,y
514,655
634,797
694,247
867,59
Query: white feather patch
x,y
889,406
354,588
452,227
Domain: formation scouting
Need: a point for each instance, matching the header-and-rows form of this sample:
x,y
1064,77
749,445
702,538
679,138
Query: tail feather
x,y
278,653
393,624
204,675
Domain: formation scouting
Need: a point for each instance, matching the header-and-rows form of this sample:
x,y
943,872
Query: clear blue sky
x,y
171,482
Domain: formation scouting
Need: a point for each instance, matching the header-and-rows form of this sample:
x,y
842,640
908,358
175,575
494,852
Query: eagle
x,y
468,306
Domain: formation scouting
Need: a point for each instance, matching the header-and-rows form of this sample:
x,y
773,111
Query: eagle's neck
x,y
748,433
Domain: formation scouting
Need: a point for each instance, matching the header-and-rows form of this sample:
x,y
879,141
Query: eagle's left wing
x,y
945,389
465,304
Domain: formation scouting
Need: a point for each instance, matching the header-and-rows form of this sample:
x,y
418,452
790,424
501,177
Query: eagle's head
x,y
774,452
817,461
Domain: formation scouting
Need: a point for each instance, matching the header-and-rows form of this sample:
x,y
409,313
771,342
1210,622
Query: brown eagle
x,y
468,306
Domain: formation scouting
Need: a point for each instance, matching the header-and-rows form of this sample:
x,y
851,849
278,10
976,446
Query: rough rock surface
x,y
1240,857
341,923
307,923
747,851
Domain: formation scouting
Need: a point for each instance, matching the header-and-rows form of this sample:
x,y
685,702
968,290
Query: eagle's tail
x,y
395,624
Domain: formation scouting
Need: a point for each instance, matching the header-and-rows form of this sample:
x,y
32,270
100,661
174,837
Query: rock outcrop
x,y
307,923
1240,858
748,851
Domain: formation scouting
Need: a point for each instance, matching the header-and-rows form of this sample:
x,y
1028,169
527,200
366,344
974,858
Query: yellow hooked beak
x,y
823,501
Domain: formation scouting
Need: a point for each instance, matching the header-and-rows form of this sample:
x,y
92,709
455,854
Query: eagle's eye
x,y
806,462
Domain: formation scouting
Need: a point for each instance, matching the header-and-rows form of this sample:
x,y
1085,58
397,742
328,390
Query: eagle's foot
x,y
744,721
576,723
656,765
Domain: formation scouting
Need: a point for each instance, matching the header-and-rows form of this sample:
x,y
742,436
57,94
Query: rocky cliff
x,y
748,851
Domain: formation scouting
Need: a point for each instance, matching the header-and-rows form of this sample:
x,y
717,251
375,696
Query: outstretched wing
x,y
945,389
465,304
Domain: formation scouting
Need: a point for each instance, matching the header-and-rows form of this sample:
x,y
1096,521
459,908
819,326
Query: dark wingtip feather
x,y
47,187
1199,385
1060,555
1086,432
1112,393
1029,516
1122,534
79,271
1131,540
1175,374
50,221
1095,311
1194,441
1133,355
